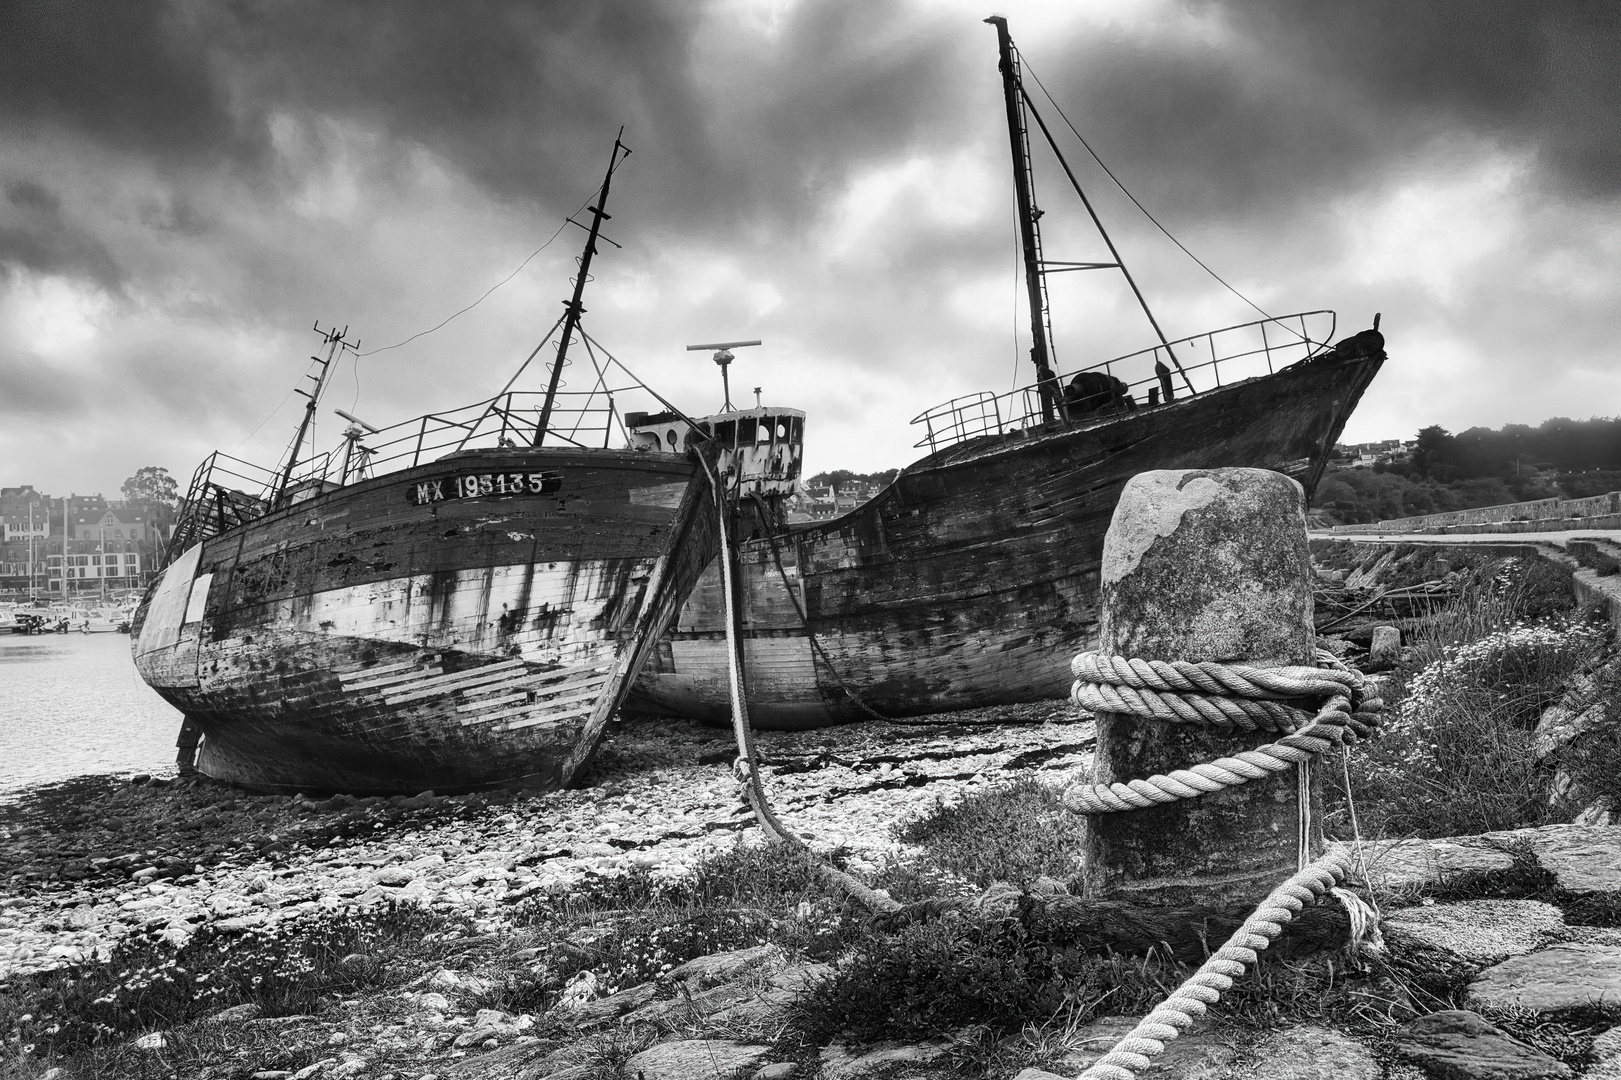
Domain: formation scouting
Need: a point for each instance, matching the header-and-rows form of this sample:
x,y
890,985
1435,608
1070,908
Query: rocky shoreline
x,y
96,859
1526,920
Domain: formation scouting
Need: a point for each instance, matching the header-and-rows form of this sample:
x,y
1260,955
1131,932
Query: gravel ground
x,y
97,858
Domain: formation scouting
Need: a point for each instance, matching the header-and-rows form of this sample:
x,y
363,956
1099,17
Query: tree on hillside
x,y
152,484
1432,456
842,479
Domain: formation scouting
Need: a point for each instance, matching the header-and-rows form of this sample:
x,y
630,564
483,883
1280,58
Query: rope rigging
x,y
1025,65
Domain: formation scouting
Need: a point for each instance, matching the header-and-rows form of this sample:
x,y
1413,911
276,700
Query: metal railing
x,y
226,491
1198,365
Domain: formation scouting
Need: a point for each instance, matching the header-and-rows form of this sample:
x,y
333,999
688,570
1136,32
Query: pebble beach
x,y
95,859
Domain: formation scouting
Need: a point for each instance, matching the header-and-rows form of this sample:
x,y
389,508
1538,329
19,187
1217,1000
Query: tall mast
x,y
1029,235
571,320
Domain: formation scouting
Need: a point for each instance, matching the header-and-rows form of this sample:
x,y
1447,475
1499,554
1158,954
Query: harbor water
x,y
73,704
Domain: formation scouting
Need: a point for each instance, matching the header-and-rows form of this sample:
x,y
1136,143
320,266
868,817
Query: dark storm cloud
x,y
522,96
1539,74
1288,103
132,74
34,234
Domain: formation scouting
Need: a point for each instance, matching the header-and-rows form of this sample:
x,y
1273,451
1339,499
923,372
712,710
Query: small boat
x,y
103,619
456,602
972,578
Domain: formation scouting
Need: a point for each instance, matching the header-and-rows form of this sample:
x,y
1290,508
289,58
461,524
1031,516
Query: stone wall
x,y
1537,515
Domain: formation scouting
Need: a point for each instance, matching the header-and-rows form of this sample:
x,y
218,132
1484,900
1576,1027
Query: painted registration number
x,y
482,485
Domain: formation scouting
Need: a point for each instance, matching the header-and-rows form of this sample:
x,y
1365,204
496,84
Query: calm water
x,y
72,704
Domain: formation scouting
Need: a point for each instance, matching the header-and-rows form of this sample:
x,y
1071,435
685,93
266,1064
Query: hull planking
x,y
972,579
395,635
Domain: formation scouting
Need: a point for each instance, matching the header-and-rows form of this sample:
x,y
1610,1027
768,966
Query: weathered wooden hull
x,y
360,641
972,579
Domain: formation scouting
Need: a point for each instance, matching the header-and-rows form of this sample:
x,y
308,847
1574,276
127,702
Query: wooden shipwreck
x,y
455,602
972,578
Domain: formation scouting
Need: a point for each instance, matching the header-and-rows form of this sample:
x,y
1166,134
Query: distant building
x,y
108,545
1368,454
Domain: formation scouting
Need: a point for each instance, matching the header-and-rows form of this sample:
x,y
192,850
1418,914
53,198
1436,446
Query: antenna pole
x,y
1029,236
333,340
571,320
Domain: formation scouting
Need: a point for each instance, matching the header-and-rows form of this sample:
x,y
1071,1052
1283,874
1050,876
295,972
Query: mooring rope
x,y
1181,692
748,762
1216,975
1221,695
1227,696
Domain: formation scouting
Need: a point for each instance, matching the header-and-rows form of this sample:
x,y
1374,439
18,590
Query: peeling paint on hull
x,y
972,579
361,642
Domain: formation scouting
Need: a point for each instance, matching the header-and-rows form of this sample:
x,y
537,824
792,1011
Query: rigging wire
x,y
492,288
1016,283
1025,64
285,398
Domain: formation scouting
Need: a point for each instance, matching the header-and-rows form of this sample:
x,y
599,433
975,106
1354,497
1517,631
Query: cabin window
x,y
670,438
782,430
746,428
796,427
765,430
726,433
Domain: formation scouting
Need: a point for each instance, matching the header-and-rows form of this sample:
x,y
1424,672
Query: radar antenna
x,y
723,357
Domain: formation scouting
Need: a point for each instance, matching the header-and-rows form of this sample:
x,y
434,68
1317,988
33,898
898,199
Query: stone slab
x,y
695,1059
843,1062
1311,1052
702,972
1559,979
1460,1045
1404,866
1606,1051
1582,858
1477,933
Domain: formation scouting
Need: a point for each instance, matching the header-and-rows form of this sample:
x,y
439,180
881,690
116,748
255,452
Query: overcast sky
x,y
185,188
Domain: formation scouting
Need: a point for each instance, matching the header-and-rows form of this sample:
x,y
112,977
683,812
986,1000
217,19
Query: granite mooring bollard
x,y
1200,565
1385,648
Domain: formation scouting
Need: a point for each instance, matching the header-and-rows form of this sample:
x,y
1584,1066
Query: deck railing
x,y
1198,365
226,491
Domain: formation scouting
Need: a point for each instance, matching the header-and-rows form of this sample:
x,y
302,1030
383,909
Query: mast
x,y
1029,234
333,340
571,319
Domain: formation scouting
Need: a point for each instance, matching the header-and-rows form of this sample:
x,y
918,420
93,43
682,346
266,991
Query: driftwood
x,y
1188,934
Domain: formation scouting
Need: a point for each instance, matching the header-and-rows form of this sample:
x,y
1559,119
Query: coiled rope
x,y
1226,697
1183,692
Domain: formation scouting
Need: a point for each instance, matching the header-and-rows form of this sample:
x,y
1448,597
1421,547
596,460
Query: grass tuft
x,y
1014,833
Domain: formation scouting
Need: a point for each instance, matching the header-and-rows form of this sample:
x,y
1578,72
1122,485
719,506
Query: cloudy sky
x,y
186,187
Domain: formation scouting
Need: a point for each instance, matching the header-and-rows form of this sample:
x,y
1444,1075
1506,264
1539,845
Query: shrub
x,y
1456,755
1498,594
147,983
1016,833
632,928
960,969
